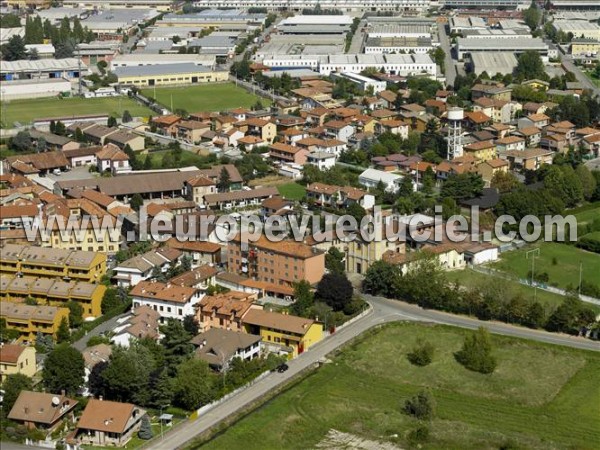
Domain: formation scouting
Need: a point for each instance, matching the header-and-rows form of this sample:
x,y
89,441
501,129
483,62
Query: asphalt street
x,y
382,311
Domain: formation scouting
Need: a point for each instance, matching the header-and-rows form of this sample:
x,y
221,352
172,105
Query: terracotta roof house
x,y
105,423
41,410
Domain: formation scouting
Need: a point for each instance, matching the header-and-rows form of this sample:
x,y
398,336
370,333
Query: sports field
x,y
207,97
539,397
25,111
560,261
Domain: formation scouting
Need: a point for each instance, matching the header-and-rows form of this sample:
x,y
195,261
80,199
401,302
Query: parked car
x,y
282,368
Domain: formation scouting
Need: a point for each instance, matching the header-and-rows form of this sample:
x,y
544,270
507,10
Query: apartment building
x,y
169,300
30,320
54,292
281,263
35,261
224,311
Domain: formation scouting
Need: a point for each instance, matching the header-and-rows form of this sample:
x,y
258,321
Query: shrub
x,y
476,353
421,354
419,435
421,406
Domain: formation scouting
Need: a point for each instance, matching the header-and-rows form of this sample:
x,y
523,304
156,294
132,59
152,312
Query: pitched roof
x,y
216,344
41,161
277,321
162,291
9,353
40,407
107,416
112,153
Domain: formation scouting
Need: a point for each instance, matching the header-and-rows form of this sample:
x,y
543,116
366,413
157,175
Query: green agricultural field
x,y
560,261
292,191
471,279
207,97
25,111
539,397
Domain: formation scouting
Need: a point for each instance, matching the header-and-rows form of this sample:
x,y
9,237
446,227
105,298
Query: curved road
x,y
383,310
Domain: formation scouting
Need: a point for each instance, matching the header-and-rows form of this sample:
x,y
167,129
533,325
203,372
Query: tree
x,y
15,49
111,122
532,16
148,163
462,186
161,386
421,354
421,406
110,300
224,180
60,128
12,387
530,66
335,290
33,54
476,353
21,141
145,431
381,279
570,316
136,202
64,369
194,384
10,21
63,334
127,377
504,181
75,313
126,116
176,342
334,260
588,182
190,324
304,299
356,211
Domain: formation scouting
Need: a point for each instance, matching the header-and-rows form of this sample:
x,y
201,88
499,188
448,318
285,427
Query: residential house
x,y
338,196
53,141
82,156
491,89
108,424
141,267
191,131
224,311
261,128
284,153
276,206
17,359
448,255
340,130
482,151
532,135
42,410
37,163
534,120
166,125
393,126
250,142
199,186
219,346
510,143
124,138
291,335
487,169
476,120
202,277
143,322
169,300
95,133
530,159
112,159
201,252
556,142
21,216
321,160
30,320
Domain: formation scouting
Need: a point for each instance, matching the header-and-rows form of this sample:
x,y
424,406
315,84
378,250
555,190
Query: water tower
x,y
455,146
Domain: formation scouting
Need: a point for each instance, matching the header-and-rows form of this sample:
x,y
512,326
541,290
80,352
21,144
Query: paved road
x,y
358,39
581,77
383,310
449,63
109,325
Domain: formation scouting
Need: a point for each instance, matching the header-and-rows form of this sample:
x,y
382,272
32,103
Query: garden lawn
x,y
292,191
560,261
26,111
588,215
187,159
539,397
206,97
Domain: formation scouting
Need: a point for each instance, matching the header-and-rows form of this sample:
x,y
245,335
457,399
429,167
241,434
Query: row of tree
x,y
426,285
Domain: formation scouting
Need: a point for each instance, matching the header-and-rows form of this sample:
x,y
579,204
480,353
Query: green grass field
x,y
208,97
589,214
25,111
471,279
292,191
563,273
540,397
187,159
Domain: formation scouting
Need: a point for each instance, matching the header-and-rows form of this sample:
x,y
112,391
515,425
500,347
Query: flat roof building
x,y
145,59
493,62
168,74
40,69
517,45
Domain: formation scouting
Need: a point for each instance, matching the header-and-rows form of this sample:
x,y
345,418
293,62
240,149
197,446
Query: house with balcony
x,y
30,320
287,154
338,196
224,311
169,300
337,129
260,128
141,267
218,347
510,143
530,159
108,424
42,411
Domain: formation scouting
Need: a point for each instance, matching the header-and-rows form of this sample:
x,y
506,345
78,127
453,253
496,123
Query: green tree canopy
x,y
64,369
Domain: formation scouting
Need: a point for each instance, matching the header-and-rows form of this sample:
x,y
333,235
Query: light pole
x,y
535,253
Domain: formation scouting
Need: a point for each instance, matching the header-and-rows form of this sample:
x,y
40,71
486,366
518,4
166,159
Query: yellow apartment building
x,y
54,292
35,261
30,320
17,359
482,151
292,333
89,239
